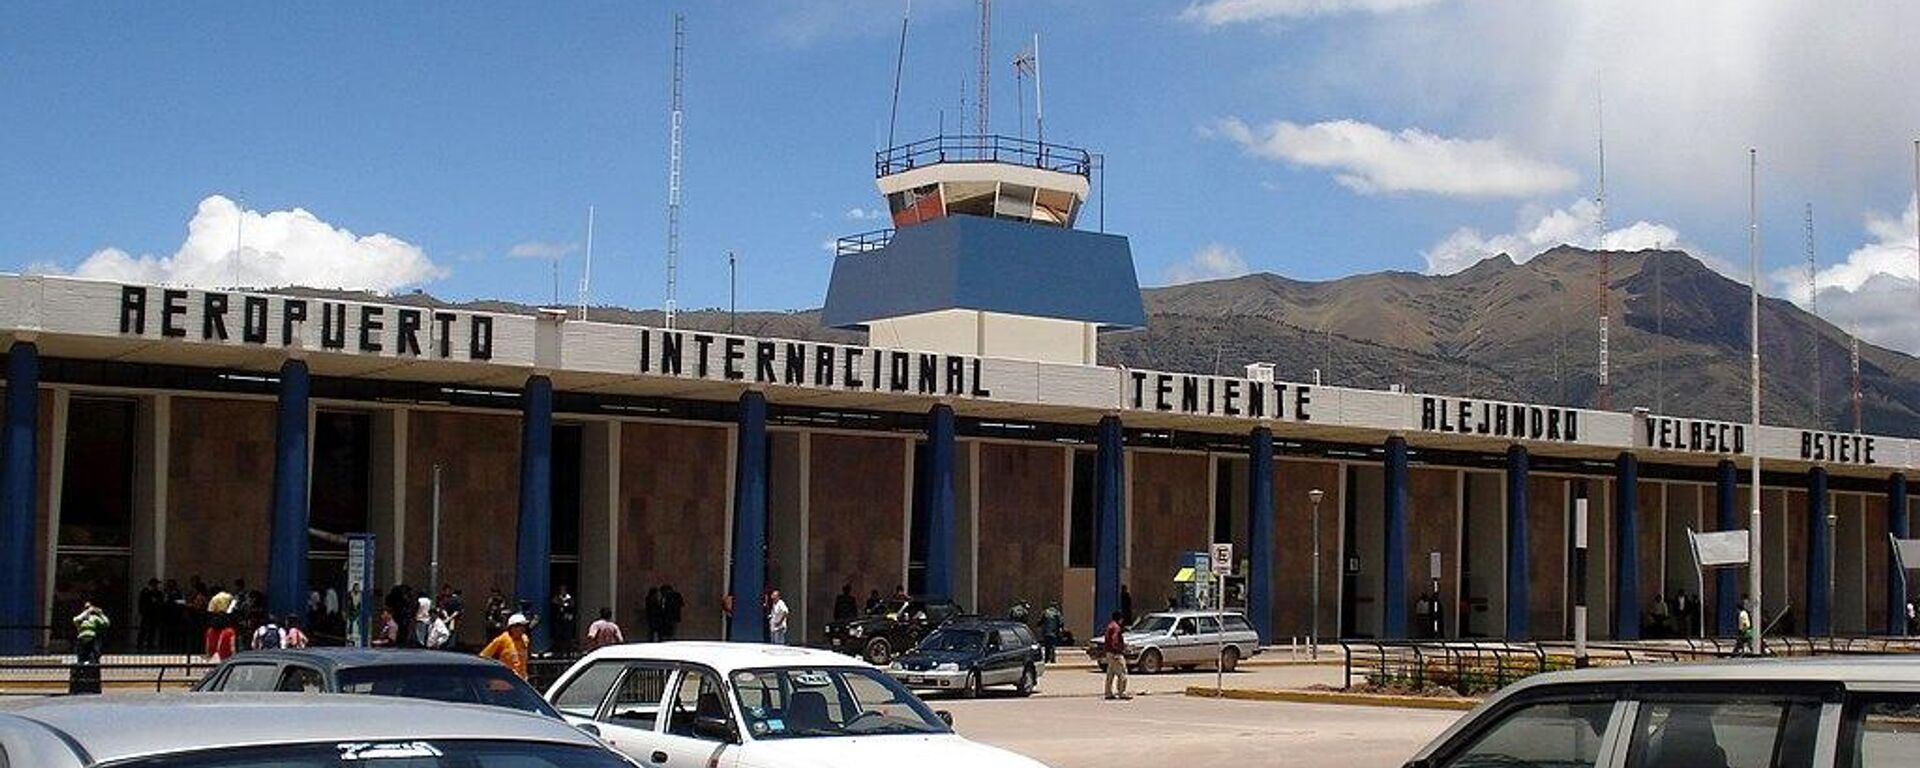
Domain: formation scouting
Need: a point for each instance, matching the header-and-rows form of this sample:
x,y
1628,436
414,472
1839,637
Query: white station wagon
x,y
745,705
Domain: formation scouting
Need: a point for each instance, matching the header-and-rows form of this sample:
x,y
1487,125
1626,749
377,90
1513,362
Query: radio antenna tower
x,y
1606,265
586,274
1813,308
899,66
1853,337
1027,62
985,75
673,167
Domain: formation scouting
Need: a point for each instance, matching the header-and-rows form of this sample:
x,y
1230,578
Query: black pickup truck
x,y
895,627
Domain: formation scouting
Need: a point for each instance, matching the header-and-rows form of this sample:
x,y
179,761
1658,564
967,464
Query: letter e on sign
x,y
1223,559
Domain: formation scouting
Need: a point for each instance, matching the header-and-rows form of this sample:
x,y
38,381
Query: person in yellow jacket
x,y
510,647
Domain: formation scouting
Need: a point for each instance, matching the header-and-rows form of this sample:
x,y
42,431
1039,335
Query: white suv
x,y
743,705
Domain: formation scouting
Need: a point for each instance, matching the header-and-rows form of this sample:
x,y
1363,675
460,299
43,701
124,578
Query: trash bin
x,y
83,678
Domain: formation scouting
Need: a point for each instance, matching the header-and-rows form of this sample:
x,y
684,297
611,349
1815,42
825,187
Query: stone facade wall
x,y
673,508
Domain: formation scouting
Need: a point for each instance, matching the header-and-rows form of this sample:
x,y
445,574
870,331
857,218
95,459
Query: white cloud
x,y
1371,160
1215,13
277,248
1214,262
1874,288
1577,224
857,213
536,249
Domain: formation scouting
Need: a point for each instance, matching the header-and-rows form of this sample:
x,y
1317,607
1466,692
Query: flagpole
x,y
1753,524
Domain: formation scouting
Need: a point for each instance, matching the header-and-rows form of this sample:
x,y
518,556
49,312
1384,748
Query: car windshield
x,y
955,640
398,754
461,684
1154,623
828,701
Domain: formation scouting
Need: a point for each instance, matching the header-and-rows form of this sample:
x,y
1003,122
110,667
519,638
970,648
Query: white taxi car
x,y
745,705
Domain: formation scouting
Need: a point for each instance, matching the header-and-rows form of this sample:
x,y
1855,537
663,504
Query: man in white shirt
x,y
777,620
603,632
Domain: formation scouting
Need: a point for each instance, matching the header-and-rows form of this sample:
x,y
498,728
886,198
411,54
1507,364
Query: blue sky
x,y
1314,138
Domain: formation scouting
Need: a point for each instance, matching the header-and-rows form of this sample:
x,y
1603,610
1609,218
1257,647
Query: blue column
x,y
1519,618
1108,498
939,502
1260,533
1393,597
747,578
1819,565
534,551
1727,501
287,536
19,487
1626,547
1897,524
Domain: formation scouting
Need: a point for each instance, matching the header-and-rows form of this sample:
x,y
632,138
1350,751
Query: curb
x,y
1333,697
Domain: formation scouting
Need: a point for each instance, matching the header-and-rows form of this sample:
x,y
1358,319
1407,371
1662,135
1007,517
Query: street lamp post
x,y
1313,639
1833,524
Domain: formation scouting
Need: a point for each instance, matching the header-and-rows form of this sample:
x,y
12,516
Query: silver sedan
x,y
286,730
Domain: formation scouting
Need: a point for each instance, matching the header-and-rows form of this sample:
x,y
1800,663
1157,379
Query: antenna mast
x,y
586,275
673,167
1813,307
1754,549
985,74
1854,340
1606,267
899,65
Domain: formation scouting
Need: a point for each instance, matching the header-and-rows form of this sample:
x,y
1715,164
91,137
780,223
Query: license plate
x,y
911,680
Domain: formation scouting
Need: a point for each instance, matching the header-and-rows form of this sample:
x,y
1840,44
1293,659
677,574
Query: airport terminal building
x,y
973,447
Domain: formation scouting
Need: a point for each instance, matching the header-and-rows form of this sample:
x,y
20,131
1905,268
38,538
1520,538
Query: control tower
x,y
983,258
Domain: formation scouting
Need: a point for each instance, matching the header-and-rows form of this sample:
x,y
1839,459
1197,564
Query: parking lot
x,y
1068,725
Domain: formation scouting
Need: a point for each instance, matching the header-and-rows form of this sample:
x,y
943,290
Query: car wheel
x,y
1229,659
1150,662
972,691
879,652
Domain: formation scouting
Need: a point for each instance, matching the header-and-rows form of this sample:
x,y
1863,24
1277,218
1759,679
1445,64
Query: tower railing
x,y
1011,150
863,242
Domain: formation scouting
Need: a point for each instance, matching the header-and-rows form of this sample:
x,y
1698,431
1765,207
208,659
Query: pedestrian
x,y
603,632
1661,617
845,608
1683,608
220,635
510,647
565,620
1913,618
1126,605
292,636
87,626
153,606
873,602
1050,624
777,619
654,610
497,613
451,606
899,591
173,620
386,630
673,604
1113,647
1744,642
269,636
726,616
439,632
422,621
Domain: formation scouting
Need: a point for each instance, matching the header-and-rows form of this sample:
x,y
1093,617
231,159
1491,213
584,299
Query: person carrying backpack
x,y
268,636
291,636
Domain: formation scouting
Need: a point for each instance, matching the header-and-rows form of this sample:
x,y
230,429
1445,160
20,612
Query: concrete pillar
x,y
534,550
747,578
1393,590
1727,514
938,498
1819,564
1626,548
1109,485
1519,620
19,488
287,537
1260,521
1897,525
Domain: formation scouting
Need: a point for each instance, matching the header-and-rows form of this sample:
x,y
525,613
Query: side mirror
x,y
589,729
945,716
708,727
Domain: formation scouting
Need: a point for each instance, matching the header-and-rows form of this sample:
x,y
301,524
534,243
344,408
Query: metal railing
x,y
863,242
57,676
1466,667
1011,150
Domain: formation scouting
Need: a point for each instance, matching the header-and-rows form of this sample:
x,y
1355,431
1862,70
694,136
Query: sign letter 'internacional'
x,y
1509,420
1194,395
217,317
717,357
1836,448
1695,435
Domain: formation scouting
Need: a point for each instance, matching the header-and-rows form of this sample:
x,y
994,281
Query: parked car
x,y
745,705
414,674
1186,640
285,730
897,626
968,654
1806,713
